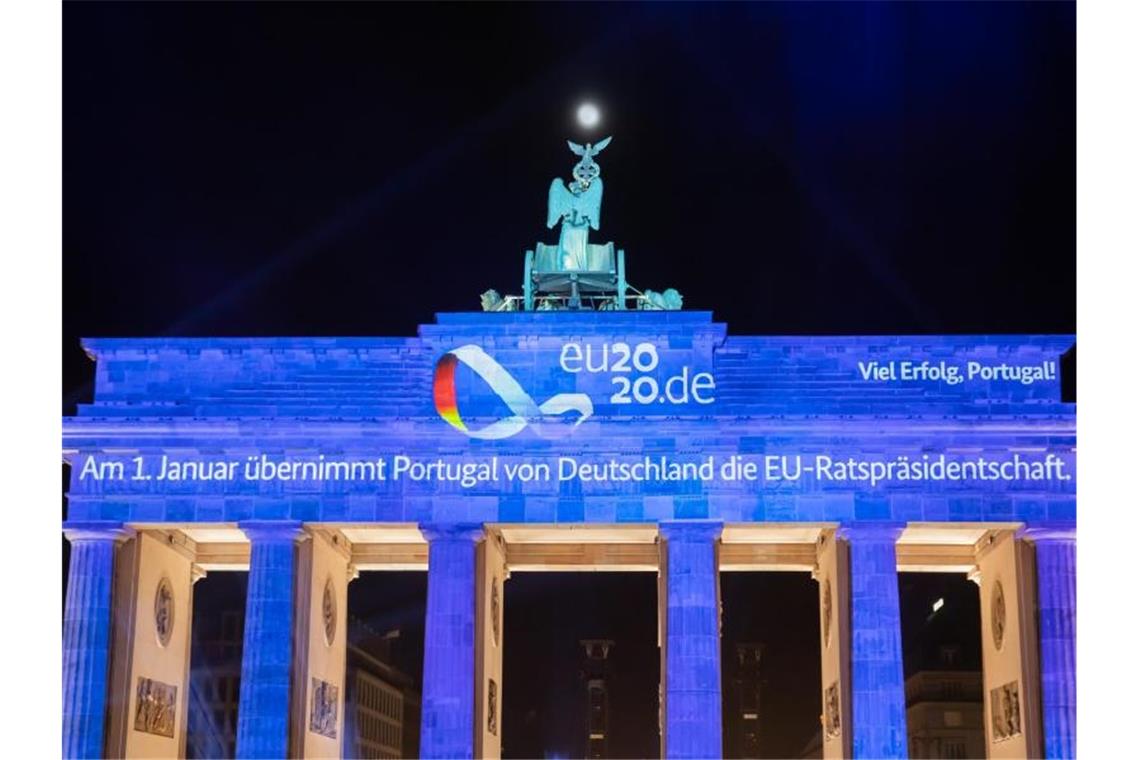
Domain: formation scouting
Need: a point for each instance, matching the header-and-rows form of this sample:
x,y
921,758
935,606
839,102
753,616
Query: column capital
x,y
96,530
273,531
1041,532
472,532
690,530
870,530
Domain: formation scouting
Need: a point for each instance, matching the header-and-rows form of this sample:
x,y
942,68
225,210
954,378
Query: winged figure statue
x,y
578,205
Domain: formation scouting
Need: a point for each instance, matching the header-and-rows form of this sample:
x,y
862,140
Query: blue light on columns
x,y
447,728
878,695
1056,550
87,635
267,646
692,640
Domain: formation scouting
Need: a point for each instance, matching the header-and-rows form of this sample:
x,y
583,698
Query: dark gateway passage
x,y
940,617
580,661
384,664
770,672
215,664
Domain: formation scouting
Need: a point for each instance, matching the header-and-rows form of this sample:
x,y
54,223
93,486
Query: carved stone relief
x,y
154,707
832,725
492,707
328,612
495,610
1005,712
164,611
997,615
827,612
322,714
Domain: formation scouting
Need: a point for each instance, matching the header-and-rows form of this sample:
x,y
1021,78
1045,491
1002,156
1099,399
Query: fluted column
x,y
267,647
1056,550
447,725
87,635
878,696
692,640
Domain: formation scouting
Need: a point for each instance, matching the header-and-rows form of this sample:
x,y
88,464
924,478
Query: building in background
x,y
596,674
215,686
742,713
944,714
382,705
944,674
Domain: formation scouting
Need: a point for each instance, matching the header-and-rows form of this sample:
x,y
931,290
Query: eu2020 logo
x,y
524,410
633,373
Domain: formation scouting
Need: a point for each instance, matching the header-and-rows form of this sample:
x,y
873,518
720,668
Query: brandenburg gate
x,y
581,425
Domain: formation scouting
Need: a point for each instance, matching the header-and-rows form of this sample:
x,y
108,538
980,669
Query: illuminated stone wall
x,y
227,399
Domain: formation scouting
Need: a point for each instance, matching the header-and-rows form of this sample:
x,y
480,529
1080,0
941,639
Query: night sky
x,y
350,169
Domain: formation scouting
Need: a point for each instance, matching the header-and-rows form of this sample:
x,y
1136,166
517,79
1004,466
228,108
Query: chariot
x,y
595,277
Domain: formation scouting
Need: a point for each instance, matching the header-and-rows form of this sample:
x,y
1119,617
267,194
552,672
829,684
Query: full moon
x,y
588,115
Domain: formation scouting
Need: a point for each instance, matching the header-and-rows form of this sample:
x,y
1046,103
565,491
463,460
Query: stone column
x,y
692,640
832,573
267,647
87,634
1010,672
447,726
320,645
878,696
1056,548
491,575
150,657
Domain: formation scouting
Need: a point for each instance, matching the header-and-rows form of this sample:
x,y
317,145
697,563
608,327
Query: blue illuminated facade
x,y
641,417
